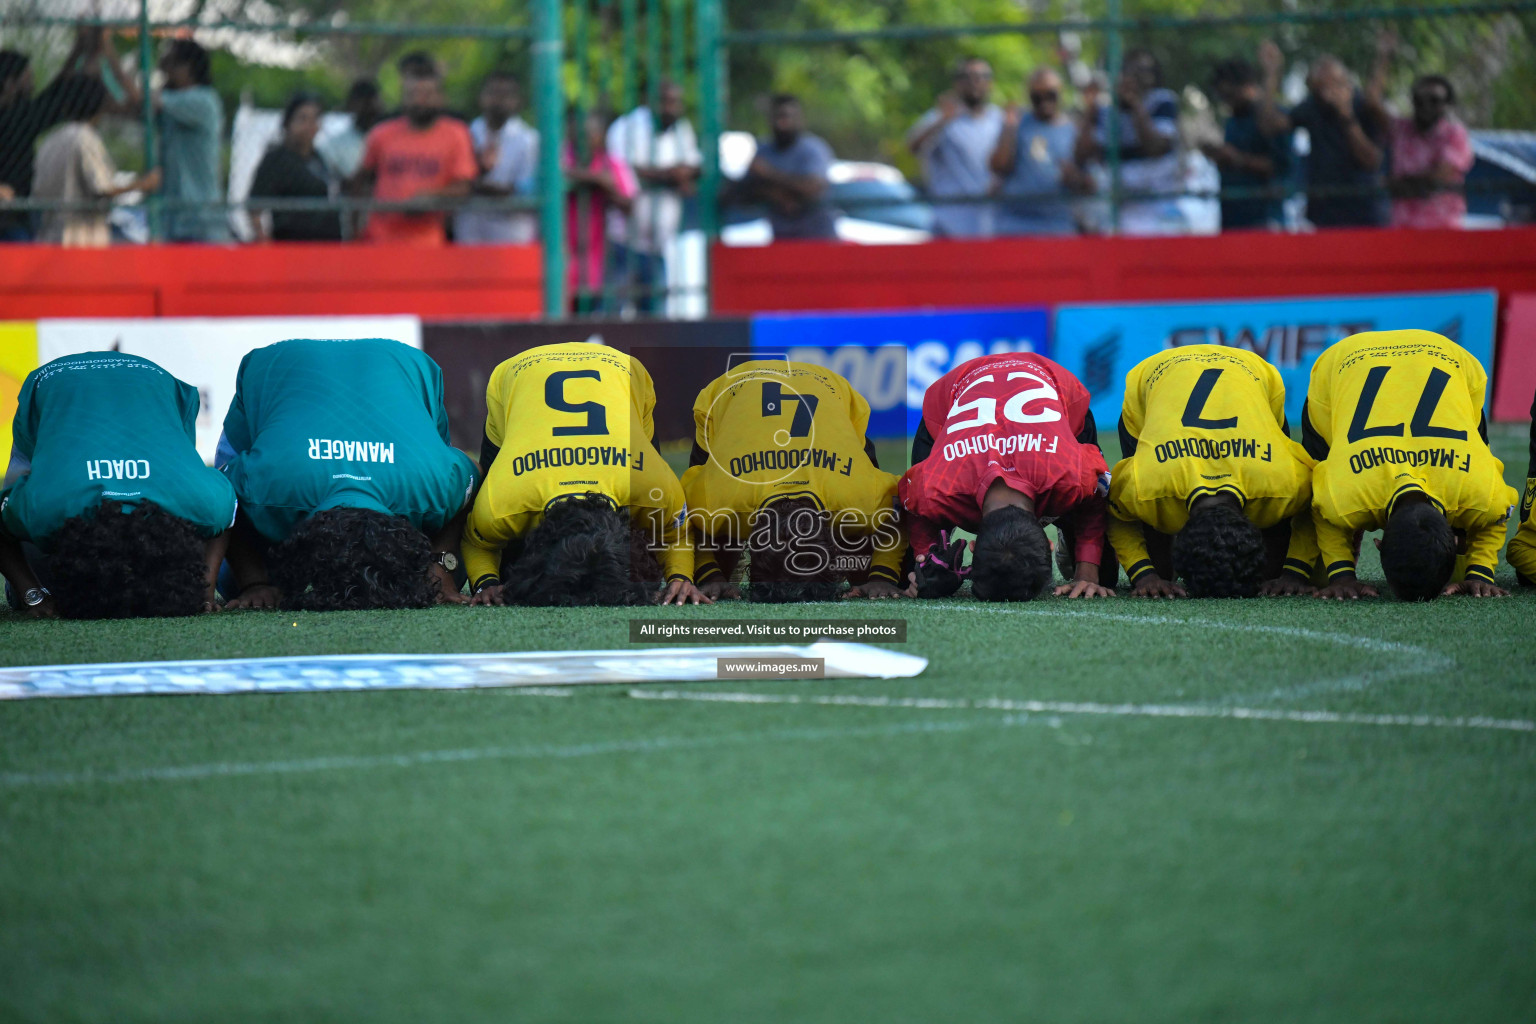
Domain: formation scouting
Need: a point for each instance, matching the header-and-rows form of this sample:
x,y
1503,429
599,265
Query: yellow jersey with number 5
x,y
1400,411
572,419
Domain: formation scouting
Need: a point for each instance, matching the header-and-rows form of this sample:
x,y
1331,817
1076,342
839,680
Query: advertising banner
x,y
681,357
18,357
206,353
1515,391
892,358
1100,343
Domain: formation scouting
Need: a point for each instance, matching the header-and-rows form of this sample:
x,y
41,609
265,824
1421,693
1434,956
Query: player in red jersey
x,y
1007,442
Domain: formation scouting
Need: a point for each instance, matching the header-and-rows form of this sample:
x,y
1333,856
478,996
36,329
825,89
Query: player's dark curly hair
x,y
346,559
1219,553
120,561
583,552
792,554
1011,560
1418,551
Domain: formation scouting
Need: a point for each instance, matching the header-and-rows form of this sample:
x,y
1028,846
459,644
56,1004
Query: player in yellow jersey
x,y
1522,547
782,469
576,503
1395,419
1212,488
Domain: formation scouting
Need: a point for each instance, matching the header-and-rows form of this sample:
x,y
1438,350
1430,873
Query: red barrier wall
x,y
1025,271
270,280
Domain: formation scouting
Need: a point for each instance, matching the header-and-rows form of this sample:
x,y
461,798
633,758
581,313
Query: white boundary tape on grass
x,y
309,673
1055,707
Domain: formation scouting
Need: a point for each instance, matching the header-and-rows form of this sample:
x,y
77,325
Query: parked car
x,y
1501,186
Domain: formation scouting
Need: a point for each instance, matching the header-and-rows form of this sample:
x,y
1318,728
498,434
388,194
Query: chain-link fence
x,y
1066,117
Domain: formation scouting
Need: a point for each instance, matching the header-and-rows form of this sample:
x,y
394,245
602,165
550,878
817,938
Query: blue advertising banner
x,y
1100,343
892,358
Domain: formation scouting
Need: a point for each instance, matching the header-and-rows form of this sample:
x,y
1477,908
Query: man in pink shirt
x,y
1431,154
420,155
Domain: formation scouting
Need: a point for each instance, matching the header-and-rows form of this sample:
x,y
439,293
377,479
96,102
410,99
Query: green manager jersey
x,y
318,425
106,426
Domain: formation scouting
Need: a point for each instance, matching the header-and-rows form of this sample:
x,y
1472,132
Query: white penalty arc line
x,y
653,745
1052,707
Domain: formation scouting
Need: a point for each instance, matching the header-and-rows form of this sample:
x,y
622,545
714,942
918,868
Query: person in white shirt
x,y
507,149
663,150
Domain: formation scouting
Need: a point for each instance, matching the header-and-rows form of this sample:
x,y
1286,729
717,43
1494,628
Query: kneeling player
x,y
577,502
128,519
782,469
1395,418
1211,489
1522,547
350,494
1007,443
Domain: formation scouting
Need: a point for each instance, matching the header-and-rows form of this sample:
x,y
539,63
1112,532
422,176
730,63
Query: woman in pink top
x,y
605,186
1431,154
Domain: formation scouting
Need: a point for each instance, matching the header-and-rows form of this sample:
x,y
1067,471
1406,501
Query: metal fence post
x,y
548,57
146,72
708,28
1112,112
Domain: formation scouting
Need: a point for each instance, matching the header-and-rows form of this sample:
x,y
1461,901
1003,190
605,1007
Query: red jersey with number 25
x,y
1013,417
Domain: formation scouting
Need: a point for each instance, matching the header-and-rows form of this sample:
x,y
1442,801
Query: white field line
x,y
1054,707
1414,659
659,744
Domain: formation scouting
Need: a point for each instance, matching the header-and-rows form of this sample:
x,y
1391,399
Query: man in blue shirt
x,y
191,129
789,174
1247,158
955,140
1034,157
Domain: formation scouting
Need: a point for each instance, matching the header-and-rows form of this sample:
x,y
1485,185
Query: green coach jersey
x,y
106,426
317,425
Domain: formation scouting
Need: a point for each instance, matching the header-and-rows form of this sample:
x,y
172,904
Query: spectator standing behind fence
x,y
73,166
602,184
956,140
1034,158
1431,154
1347,136
789,175
420,155
23,118
1247,158
507,151
1147,146
191,124
294,169
663,152
343,150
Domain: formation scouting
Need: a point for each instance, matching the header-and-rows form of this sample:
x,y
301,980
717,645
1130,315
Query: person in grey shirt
x,y
955,141
191,126
789,175
1034,156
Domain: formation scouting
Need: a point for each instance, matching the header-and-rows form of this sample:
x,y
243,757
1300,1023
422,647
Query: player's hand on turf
x,y
940,570
1153,585
1474,588
721,590
447,588
1286,586
876,590
487,596
684,592
1083,588
1346,590
48,608
262,596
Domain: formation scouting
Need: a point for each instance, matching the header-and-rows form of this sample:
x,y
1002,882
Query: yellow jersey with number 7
x,y
1400,411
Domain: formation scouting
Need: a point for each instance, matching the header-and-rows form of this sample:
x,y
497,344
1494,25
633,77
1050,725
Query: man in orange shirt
x,y
420,155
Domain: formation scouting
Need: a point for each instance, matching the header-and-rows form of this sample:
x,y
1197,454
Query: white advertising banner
x,y
206,352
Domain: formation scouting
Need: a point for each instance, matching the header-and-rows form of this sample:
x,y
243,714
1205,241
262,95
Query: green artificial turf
x,y
597,857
